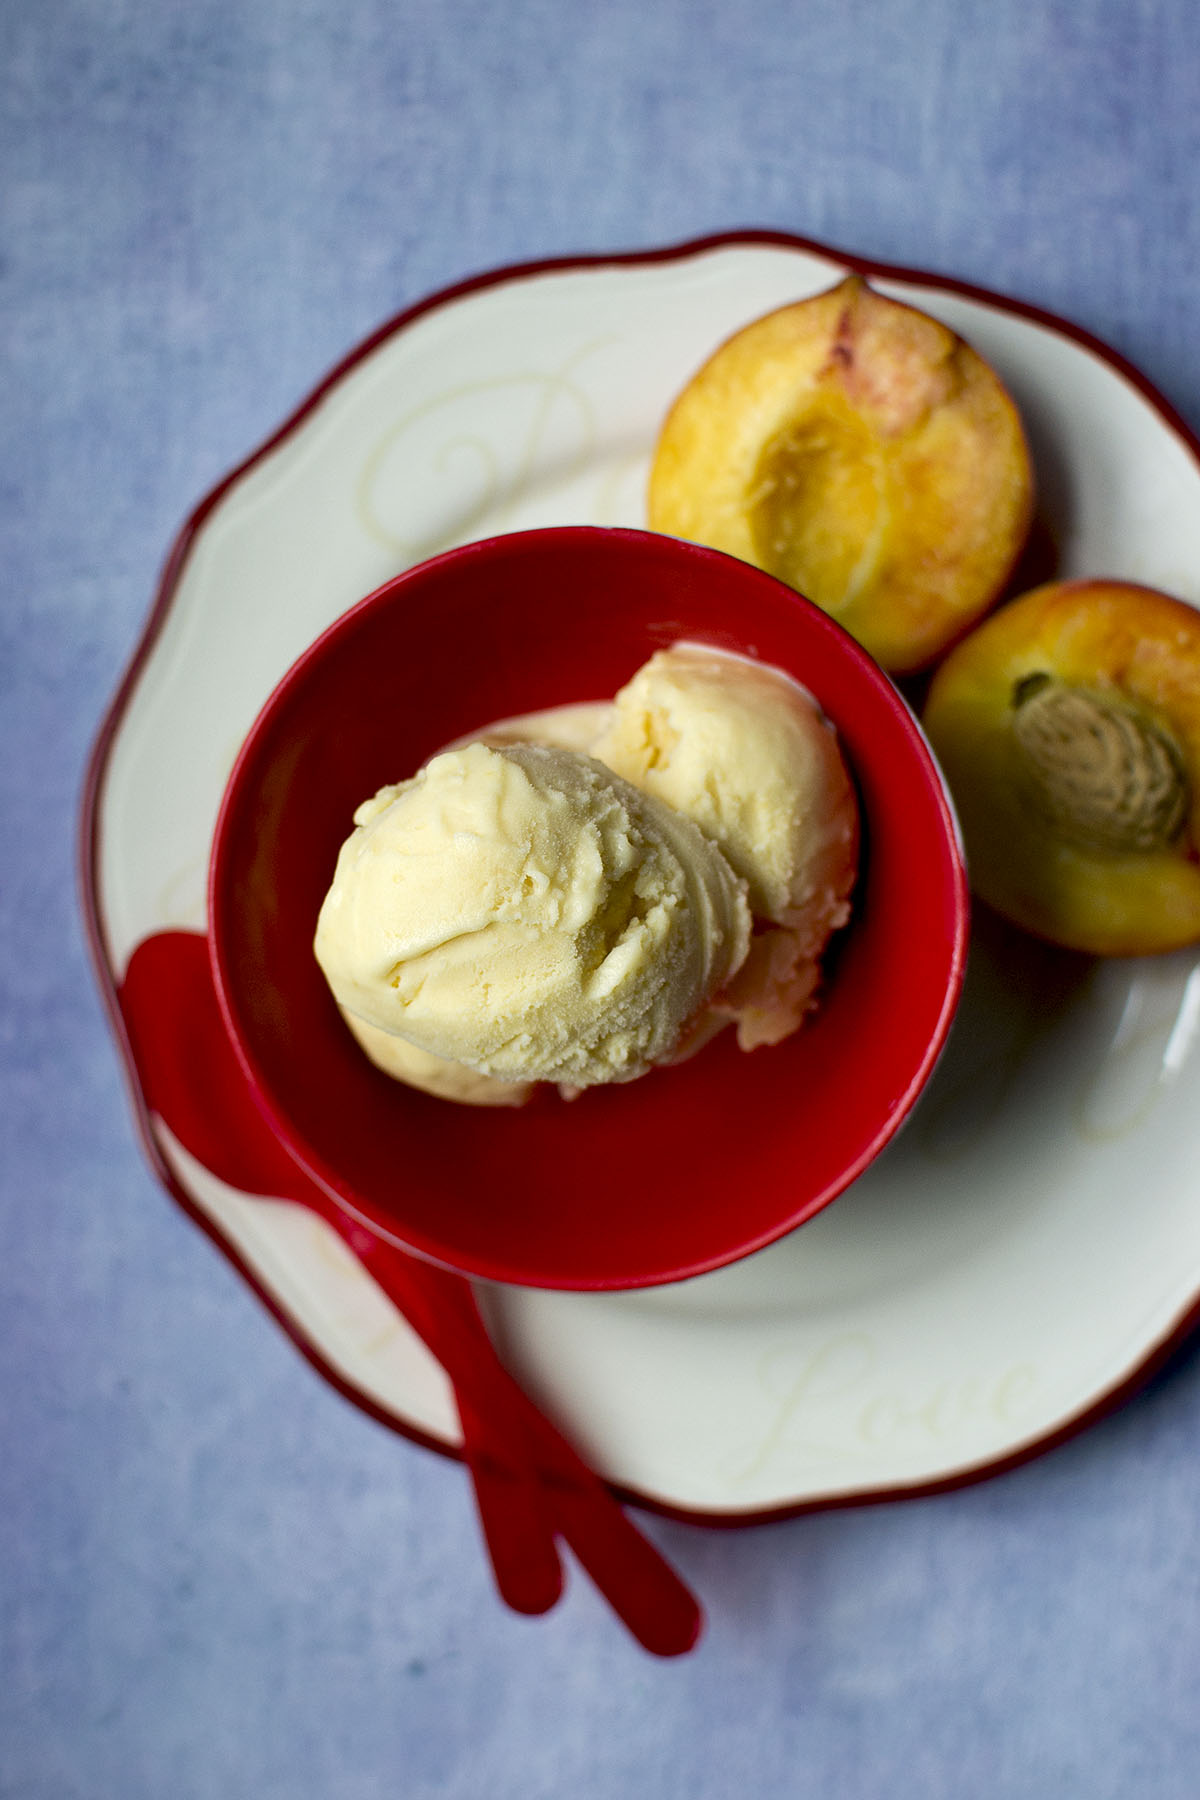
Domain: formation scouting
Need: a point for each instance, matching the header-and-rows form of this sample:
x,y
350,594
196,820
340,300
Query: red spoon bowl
x,y
651,1181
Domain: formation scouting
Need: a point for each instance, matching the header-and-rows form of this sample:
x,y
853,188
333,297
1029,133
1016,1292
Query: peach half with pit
x,y
862,452
1068,728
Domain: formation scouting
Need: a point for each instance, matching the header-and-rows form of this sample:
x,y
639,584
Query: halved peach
x,y
862,452
1068,726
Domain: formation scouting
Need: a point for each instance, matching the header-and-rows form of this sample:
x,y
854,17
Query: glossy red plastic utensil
x,y
640,1182
530,1485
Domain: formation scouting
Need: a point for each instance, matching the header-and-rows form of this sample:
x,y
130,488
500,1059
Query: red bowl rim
x,y
512,1271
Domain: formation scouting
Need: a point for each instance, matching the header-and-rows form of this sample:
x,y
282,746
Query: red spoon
x,y
530,1485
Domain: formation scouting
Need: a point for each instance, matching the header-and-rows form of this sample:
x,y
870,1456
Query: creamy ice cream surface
x,y
745,751
434,1074
526,913
580,894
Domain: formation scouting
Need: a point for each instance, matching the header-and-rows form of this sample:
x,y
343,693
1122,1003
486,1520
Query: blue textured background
x,y
216,1577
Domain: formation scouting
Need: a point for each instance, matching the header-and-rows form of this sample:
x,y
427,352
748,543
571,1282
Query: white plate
x,y
1031,1243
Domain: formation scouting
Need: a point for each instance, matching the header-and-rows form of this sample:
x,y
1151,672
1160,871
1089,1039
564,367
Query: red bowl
x,y
688,1168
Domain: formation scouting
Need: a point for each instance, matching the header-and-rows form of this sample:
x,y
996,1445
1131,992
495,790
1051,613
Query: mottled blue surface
x,y
216,1577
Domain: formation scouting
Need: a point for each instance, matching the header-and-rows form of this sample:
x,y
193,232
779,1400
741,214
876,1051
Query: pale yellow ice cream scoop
x,y
528,914
742,749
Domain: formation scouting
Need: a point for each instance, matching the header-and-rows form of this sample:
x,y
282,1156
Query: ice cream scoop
x,y
745,751
526,913
572,727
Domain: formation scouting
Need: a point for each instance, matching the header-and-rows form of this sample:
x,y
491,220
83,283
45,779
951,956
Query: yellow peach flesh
x,y
1127,886
862,452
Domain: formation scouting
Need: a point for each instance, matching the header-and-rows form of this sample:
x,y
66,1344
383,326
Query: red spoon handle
x,y
529,1483
190,1076
641,1587
509,1493
512,1515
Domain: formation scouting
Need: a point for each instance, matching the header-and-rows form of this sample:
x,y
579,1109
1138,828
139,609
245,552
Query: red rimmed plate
x,y
987,1286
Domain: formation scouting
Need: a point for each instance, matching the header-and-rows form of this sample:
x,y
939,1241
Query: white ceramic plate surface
x,y
1030,1244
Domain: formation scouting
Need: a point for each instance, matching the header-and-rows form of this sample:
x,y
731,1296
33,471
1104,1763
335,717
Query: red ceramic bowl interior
x,y
665,1177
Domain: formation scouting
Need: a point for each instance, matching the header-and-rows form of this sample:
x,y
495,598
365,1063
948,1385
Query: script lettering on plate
x,y
836,1402
468,456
